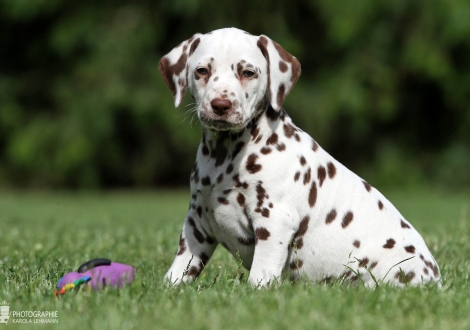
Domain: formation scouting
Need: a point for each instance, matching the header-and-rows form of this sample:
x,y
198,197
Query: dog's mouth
x,y
231,120
221,125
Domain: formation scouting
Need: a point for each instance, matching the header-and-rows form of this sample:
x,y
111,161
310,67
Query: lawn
x,y
44,235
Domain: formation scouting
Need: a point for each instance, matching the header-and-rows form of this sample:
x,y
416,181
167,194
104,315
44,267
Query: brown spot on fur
x,y
222,200
261,233
246,95
390,243
327,280
331,216
194,46
312,196
430,265
298,243
251,165
206,181
296,176
262,45
368,186
265,150
226,191
238,183
229,168
220,178
364,262
289,130
283,66
297,240
347,219
403,224
220,153
314,146
238,148
196,175
372,265
307,176
425,270
241,199
346,274
302,161
303,227
194,271
296,264
246,241
197,234
248,219
258,139
182,246
199,211
321,174
357,244
281,94
260,194
272,114
331,170
254,132
272,139
404,278
410,249
381,205
435,270
281,147
264,211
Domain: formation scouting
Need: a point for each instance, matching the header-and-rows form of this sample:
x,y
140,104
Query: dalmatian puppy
x,y
265,190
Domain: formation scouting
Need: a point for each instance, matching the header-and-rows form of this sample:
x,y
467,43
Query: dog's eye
x,y
248,73
202,71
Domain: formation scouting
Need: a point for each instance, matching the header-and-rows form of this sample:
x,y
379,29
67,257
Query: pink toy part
x,y
97,273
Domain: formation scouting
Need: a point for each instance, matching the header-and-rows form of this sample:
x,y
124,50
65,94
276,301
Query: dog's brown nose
x,y
221,106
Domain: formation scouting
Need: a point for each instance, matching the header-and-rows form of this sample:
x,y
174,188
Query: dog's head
x,y
230,74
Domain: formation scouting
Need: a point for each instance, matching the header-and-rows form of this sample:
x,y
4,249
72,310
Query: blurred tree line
x,y
385,87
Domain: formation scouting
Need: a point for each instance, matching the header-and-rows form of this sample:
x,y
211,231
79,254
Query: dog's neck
x,y
220,145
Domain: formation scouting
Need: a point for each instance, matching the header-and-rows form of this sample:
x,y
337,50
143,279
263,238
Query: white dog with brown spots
x,y
265,190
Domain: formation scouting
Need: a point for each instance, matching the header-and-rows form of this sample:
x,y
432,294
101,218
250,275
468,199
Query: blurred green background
x,y
385,87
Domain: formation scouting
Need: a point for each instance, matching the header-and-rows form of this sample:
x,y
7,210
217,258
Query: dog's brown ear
x,y
174,67
283,70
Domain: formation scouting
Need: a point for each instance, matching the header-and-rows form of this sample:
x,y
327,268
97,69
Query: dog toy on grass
x,y
96,273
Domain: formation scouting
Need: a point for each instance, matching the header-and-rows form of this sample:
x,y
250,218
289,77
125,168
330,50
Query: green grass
x,y
44,235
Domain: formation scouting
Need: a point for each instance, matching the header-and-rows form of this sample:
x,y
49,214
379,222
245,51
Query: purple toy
x,y
97,273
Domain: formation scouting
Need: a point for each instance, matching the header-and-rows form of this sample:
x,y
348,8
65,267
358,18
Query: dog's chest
x,y
239,179
220,191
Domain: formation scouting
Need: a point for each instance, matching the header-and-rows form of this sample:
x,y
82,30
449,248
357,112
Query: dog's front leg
x,y
195,250
272,238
